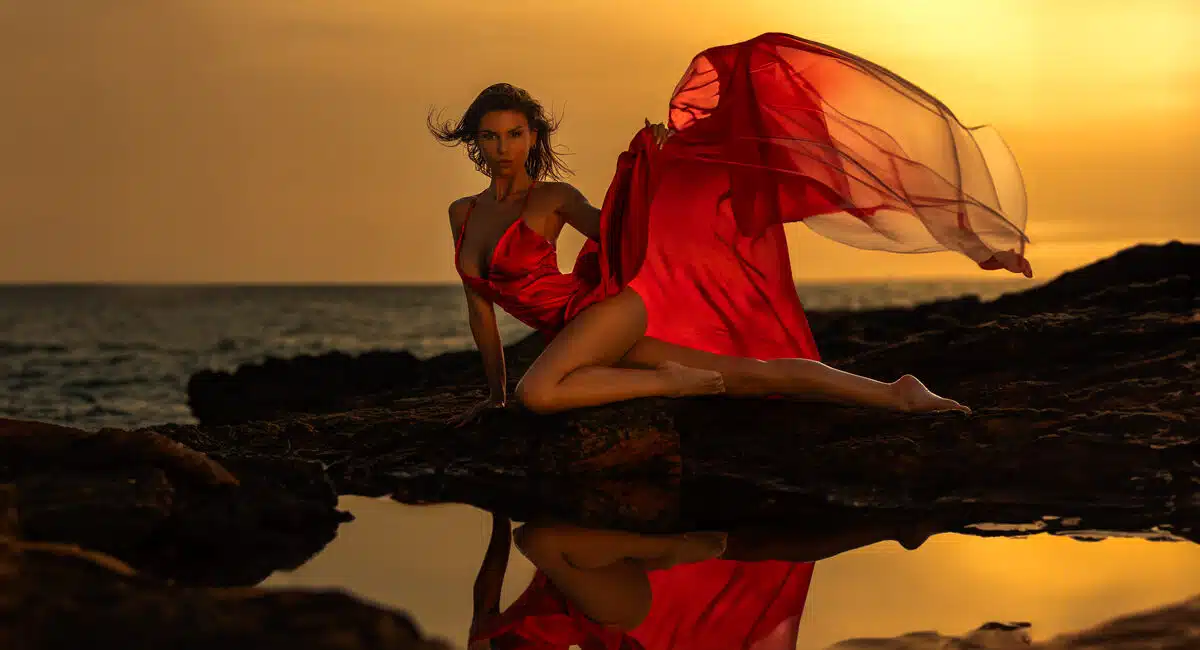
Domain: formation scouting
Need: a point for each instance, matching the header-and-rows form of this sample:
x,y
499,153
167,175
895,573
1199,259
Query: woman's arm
x,y
490,580
578,212
482,316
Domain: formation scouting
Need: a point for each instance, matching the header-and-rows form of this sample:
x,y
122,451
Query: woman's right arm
x,y
481,315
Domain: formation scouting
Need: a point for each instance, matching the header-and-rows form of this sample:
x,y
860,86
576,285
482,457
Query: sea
x,y
94,356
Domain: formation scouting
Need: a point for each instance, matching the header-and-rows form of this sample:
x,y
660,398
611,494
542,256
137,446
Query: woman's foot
x,y
684,380
914,397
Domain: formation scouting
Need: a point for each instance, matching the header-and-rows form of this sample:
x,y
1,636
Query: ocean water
x,y
120,356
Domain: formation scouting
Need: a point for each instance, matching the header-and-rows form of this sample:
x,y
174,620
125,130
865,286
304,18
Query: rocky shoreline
x,y
1086,401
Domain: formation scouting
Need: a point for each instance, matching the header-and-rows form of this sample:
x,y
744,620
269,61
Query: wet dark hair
x,y
543,161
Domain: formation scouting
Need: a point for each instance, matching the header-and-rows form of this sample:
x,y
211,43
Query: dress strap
x,y
463,230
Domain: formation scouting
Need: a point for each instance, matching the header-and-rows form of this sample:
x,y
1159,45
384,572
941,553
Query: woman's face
x,y
505,140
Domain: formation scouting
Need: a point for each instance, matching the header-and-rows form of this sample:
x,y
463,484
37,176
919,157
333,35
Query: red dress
x,y
769,131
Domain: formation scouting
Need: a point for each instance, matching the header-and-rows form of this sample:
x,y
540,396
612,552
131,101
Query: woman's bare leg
x,y
577,369
796,377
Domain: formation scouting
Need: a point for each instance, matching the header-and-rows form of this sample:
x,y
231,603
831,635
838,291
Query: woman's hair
x,y
543,161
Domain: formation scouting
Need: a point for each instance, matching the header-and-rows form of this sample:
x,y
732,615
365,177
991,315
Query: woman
x,y
684,286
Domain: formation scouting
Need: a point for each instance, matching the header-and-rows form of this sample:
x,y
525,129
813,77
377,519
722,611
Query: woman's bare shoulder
x,y
458,211
563,192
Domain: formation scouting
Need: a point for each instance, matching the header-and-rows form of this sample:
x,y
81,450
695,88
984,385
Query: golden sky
x,y
284,140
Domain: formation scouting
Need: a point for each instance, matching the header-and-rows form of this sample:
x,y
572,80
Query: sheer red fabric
x,y
773,130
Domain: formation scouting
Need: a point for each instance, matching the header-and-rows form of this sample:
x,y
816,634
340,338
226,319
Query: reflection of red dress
x,y
773,130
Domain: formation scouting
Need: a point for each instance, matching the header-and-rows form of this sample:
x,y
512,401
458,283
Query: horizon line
x,y
406,284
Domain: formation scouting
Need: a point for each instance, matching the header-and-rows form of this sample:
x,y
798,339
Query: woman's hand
x,y
473,413
661,132
1008,260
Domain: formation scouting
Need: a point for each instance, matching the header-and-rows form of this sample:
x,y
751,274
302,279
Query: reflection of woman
x,y
684,286
613,589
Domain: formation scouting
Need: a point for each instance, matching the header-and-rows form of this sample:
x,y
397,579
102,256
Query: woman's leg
x,y
577,368
796,377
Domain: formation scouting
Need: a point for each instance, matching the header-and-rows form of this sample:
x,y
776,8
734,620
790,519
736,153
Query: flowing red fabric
x,y
773,130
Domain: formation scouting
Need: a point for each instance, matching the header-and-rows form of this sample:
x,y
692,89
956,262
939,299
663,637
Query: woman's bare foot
x,y
914,397
685,380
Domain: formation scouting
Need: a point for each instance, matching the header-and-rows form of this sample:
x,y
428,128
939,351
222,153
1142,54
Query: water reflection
x,y
424,559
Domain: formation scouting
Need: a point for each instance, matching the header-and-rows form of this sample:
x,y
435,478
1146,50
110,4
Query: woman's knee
x,y
536,393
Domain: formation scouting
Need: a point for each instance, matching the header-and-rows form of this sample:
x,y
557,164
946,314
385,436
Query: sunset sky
x,y
284,140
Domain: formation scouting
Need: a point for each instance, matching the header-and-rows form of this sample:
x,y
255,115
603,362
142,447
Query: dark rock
x,y
1085,395
333,382
58,596
166,509
1110,288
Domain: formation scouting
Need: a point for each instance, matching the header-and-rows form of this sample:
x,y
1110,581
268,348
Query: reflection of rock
x,y
166,509
60,596
1175,626
989,636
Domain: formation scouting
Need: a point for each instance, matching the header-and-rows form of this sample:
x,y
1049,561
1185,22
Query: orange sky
x,y
284,140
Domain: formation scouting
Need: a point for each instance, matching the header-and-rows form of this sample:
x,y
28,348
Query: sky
x,y
284,140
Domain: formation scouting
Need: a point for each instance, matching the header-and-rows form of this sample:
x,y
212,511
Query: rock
x,y
1111,287
164,508
1085,393
59,596
333,382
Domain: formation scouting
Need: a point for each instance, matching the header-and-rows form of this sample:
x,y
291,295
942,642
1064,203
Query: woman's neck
x,y
504,188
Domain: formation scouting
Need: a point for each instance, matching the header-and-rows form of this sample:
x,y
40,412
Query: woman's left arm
x,y
578,212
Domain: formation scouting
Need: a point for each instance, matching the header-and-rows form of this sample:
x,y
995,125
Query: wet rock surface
x,y
164,508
